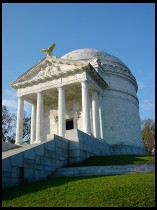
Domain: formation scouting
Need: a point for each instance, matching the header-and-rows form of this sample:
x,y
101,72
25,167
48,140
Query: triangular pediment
x,y
48,68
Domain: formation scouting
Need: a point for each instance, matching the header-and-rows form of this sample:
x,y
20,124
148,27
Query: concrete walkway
x,y
104,170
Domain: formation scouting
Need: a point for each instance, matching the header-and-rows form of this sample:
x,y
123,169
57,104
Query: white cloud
x,y
146,105
11,103
140,84
8,92
11,93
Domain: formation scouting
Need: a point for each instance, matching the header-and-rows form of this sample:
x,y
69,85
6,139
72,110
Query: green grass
x,y
117,160
130,190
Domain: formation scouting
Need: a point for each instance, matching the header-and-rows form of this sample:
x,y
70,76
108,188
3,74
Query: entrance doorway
x,y
69,124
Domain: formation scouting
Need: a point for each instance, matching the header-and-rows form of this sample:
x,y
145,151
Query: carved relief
x,y
117,69
77,115
41,73
49,70
56,119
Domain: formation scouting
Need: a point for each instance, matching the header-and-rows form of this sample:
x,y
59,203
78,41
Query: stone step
x,y
104,170
18,150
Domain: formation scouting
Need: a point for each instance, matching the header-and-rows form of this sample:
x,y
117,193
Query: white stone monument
x,y
86,89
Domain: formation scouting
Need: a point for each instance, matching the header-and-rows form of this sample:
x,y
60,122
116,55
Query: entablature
x,y
47,68
52,70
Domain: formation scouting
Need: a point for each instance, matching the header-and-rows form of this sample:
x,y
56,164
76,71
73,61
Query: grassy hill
x,y
130,190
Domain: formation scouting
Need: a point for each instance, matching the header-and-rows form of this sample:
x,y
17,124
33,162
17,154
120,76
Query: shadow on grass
x,y
32,187
115,160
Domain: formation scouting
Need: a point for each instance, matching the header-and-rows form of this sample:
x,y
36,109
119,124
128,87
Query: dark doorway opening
x,y
69,124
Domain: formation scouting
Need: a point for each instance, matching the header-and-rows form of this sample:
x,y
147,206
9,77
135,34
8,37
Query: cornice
x,y
36,68
122,72
44,78
97,77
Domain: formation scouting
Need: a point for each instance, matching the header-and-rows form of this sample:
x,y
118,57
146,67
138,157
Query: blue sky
x,y
125,30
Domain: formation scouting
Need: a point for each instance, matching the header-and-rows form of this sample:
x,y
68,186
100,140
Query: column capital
x,y
39,91
61,87
85,81
20,97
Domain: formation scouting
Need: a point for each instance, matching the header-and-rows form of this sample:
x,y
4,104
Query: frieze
x,y
54,71
122,72
117,69
43,76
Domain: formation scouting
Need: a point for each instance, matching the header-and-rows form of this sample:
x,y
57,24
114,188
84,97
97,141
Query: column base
x,y
88,133
18,143
36,141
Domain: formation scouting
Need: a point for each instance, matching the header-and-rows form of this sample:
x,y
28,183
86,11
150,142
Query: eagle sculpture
x,y
49,50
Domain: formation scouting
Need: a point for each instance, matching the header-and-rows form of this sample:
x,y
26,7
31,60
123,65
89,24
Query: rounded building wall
x,y
121,120
120,106
121,110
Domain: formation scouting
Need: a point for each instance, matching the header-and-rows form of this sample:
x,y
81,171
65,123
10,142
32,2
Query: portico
x,y
68,90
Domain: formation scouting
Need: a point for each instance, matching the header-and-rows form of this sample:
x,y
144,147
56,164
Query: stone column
x,y
95,110
101,118
19,125
61,112
33,124
85,108
39,117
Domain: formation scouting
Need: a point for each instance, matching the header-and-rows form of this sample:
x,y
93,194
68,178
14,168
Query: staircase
x,y
104,170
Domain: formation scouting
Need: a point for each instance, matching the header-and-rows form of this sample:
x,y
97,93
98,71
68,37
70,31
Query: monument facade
x,y
86,89
83,104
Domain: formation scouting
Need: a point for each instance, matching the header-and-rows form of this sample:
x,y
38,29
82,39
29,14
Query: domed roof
x,y
89,53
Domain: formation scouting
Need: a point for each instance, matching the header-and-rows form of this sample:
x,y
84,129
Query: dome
x,y
89,53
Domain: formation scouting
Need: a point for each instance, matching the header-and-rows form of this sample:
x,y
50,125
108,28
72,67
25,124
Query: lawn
x,y
129,190
117,160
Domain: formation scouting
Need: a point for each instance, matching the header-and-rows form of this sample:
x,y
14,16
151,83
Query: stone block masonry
x,y
33,162
39,161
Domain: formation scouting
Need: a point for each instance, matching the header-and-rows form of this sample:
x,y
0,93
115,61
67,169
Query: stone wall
x,y
38,161
121,120
83,146
121,108
33,162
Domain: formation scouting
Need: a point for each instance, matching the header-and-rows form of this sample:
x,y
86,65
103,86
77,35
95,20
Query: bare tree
x,y
26,124
8,124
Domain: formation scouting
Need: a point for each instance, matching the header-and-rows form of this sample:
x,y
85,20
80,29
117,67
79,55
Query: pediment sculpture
x,y
49,70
